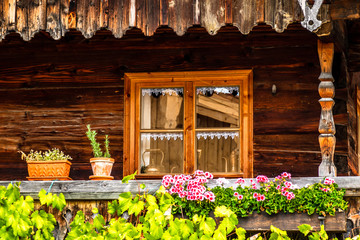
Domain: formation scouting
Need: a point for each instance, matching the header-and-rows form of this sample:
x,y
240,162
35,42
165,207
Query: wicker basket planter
x,y
48,170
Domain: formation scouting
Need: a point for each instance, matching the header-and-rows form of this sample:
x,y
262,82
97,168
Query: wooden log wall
x,y
28,17
50,90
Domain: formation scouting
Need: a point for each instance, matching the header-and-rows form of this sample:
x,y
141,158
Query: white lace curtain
x,y
162,91
217,135
218,90
161,136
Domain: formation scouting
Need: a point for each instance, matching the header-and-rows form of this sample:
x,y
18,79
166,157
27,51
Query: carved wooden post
x,y
327,139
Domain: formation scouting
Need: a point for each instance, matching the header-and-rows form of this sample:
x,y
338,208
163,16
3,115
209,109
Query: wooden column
x,y
327,131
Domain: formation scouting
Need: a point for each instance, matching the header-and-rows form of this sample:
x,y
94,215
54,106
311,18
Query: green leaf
x,y
151,200
194,236
129,177
305,229
241,233
95,210
186,229
142,186
12,193
58,202
219,235
205,237
45,197
124,201
208,226
156,231
226,225
113,207
136,208
99,222
37,219
222,211
277,233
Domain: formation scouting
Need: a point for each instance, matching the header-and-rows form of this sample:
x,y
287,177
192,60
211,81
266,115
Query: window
x,y
177,122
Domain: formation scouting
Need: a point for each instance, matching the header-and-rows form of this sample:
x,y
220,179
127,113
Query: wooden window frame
x,y
189,80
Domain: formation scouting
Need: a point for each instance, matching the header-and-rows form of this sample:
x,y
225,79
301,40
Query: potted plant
x,y
102,162
48,165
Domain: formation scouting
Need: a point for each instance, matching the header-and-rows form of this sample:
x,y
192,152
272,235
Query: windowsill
x,y
109,190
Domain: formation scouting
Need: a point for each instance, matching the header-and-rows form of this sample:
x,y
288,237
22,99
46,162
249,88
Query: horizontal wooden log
x,y
291,221
109,190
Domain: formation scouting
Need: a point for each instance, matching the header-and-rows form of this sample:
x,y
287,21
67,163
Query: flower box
x,y
290,221
48,170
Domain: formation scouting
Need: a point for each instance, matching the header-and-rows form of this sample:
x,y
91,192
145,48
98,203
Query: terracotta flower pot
x,y
101,168
48,170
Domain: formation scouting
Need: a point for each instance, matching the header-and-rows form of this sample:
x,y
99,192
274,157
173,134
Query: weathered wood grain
x,y
228,12
121,16
103,14
164,15
212,15
346,9
88,17
36,17
109,190
247,14
327,130
182,15
290,222
22,27
53,24
279,14
148,16
67,16
8,19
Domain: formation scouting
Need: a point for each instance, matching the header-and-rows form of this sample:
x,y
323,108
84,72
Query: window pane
x,y
161,153
217,107
162,108
218,151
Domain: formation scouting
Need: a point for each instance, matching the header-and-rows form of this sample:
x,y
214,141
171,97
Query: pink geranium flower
x,y
325,189
240,181
288,184
262,179
209,175
286,175
260,197
329,181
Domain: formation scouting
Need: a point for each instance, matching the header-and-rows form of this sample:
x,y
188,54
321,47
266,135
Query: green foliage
x,y
137,216
53,200
311,200
18,220
91,135
49,155
149,218
127,178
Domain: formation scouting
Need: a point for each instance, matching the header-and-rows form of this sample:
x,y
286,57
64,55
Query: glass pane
x,y
161,153
218,151
217,107
162,108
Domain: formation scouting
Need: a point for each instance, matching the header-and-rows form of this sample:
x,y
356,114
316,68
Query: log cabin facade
x,y
65,63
